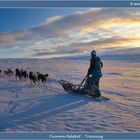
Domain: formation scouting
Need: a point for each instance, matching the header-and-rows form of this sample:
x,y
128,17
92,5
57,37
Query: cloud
x,y
13,38
110,42
53,19
78,32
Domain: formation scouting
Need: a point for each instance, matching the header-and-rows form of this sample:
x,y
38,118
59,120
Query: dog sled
x,y
74,89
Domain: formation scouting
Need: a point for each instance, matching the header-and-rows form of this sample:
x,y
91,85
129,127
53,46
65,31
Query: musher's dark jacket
x,y
95,66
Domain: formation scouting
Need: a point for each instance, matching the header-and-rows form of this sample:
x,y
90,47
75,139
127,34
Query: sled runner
x,y
73,89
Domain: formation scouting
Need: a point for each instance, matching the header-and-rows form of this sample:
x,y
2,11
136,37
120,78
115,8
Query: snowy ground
x,y
24,107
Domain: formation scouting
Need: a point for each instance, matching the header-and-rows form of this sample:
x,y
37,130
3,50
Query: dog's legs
x,y
16,77
31,82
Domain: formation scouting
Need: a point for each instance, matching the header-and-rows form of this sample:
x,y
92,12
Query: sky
x,y
60,32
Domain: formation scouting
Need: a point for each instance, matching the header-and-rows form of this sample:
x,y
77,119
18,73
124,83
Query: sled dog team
x,y
23,75
91,84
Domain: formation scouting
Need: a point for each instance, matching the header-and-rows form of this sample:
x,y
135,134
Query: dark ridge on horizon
x,y
127,54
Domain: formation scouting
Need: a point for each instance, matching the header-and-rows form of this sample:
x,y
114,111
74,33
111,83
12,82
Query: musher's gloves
x,y
90,75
